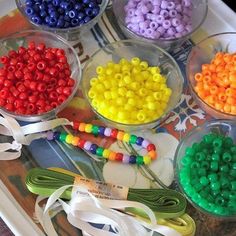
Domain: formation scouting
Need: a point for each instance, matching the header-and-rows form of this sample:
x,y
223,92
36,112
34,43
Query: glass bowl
x,y
70,34
225,128
200,8
128,49
14,41
203,53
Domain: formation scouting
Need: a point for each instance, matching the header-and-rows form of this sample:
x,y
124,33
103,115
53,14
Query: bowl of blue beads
x,y
68,18
165,23
205,168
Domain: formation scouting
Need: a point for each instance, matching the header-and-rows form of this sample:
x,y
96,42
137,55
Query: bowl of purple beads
x,y
68,18
165,23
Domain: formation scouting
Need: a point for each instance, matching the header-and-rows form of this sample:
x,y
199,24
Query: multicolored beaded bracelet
x,y
103,152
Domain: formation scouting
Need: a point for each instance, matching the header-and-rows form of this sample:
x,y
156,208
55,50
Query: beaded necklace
x,y
103,152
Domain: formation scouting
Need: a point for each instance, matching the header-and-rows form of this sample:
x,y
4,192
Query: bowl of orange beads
x,y
132,85
211,74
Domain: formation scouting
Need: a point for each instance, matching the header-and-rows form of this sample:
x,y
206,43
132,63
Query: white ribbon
x,y
84,209
23,135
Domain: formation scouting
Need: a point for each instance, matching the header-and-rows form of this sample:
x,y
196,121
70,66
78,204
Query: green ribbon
x,y
165,203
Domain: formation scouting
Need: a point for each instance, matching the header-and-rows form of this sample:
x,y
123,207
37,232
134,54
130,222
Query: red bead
x,y
61,75
67,72
31,45
21,88
19,74
9,107
114,133
49,56
4,59
81,143
41,111
31,107
59,66
31,66
76,125
71,82
2,79
33,85
14,91
2,102
28,76
13,61
21,50
54,104
12,53
23,96
40,104
32,98
52,63
60,52
50,87
8,83
11,68
151,147
41,65
53,71
41,47
38,75
48,108
61,82
53,81
62,59
3,72
41,87
4,93
46,78
18,103
10,76
59,90
53,96
20,110
37,57
61,98
119,156
19,66
11,99
67,91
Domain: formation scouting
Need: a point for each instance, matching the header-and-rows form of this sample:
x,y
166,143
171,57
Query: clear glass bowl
x,y
128,49
72,33
200,8
226,128
14,41
203,53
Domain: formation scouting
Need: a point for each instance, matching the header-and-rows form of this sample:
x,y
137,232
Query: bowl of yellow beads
x,y
131,85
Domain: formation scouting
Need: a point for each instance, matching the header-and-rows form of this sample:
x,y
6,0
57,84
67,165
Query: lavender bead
x,y
144,24
164,13
131,12
149,16
144,9
138,12
171,5
178,8
50,135
142,31
153,25
171,31
87,145
180,28
156,2
149,33
186,3
166,24
175,22
161,30
164,5
157,34
107,132
172,13
145,143
156,10
125,159
159,19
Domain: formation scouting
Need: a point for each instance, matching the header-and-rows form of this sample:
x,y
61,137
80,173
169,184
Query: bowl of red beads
x,y
68,18
39,74
211,75
165,23
132,85
205,168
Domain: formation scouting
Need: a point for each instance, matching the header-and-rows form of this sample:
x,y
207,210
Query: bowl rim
x,y
190,83
189,134
53,112
170,40
143,43
64,30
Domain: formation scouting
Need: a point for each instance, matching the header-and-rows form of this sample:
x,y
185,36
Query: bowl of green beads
x,y
132,85
205,168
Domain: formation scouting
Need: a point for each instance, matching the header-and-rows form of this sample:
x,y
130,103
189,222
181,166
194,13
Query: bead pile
x,y
216,83
129,92
159,18
208,174
62,14
34,79
103,152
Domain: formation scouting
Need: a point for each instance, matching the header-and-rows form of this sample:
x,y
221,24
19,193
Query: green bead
x,y
133,139
190,151
62,137
189,190
224,168
207,189
95,129
196,197
218,150
224,182
215,157
217,142
227,157
234,166
209,138
202,172
198,187
204,181
233,185
232,173
196,147
205,165
215,193
99,151
194,165
186,160
234,157
212,177
139,160
203,203
200,156
218,210
228,142
215,186
225,194
203,193
232,196
233,149
210,198
194,182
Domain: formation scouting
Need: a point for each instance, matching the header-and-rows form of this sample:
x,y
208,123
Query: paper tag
x,y
100,189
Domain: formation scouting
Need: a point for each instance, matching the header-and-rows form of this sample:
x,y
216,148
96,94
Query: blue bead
x,y
60,23
81,15
47,19
96,11
92,4
93,148
36,8
56,135
101,130
81,22
74,22
66,24
87,19
36,19
67,18
54,14
56,3
43,14
132,159
60,10
78,6
29,11
88,11
29,3
139,141
42,7
52,9
52,21
72,13
86,1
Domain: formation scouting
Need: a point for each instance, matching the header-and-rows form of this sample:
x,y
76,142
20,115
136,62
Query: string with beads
x,y
103,152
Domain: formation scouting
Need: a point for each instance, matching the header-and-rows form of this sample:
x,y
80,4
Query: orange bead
x,y
227,108
205,67
152,154
227,57
206,73
214,89
231,101
198,77
112,156
212,67
120,135
233,110
82,127
222,97
219,106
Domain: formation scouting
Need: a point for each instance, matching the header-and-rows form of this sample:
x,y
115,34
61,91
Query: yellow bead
x,y
106,153
99,87
118,76
127,79
157,96
134,86
93,81
107,84
69,138
107,95
126,73
95,103
120,101
128,107
123,61
100,70
121,83
130,94
163,87
126,137
151,106
114,94
131,101
135,61
141,116
147,160
142,92
145,74
168,91
110,64
136,70
154,69
122,91
117,68
109,71
144,65
88,128
112,110
149,99
91,93
157,77
125,67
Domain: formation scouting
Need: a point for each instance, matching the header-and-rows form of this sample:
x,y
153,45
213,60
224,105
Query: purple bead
x,y
164,5
125,159
153,25
145,143
149,7
149,16
175,22
50,135
172,13
139,141
101,130
161,30
133,27
157,34
159,19
188,28
139,18
171,31
149,33
156,2
142,32
164,13
144,24
178,8
144,9
87,145
180,28
127,20
131,12
156,10
138,12
166,24
186,3
171,5
107,132
132,159
93,148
